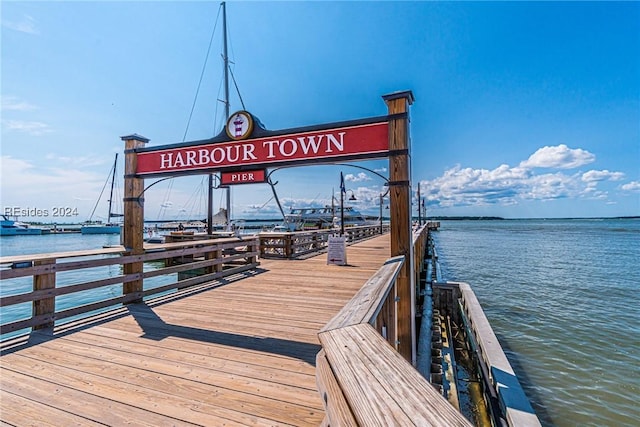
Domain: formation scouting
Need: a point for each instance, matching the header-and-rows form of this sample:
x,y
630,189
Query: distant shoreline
x,y
497,218
415,218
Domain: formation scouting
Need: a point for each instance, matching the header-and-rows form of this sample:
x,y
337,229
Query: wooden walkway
x,y
236,352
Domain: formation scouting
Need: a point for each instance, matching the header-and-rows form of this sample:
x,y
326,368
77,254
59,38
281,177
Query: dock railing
x,y
58,275
503,386
361,377
296,244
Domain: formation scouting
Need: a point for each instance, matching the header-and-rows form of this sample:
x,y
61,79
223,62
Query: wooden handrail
x,y
295,244
216,257
366,304
361,377
8,260
366,382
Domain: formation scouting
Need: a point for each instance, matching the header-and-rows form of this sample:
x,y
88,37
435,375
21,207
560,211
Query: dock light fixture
x,y
343,192
382,196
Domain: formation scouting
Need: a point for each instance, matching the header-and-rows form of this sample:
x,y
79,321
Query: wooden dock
x,y
237,351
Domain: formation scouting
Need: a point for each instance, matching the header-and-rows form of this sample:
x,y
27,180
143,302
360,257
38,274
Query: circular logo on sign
x,y
239,125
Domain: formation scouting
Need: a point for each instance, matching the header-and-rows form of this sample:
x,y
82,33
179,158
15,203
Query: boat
x,y
322,218
218,222
155,237
199,226
10,227
328,217
98,227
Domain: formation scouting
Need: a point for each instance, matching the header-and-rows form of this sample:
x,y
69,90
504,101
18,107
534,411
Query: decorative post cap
x,y
135,137
400,94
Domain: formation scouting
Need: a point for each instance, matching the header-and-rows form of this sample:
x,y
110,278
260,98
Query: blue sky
x,y
521,109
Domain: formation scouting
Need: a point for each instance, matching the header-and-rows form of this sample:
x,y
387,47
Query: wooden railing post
x,y
210,255
44,306
218,254
262,245
400,201
288,246
133,229
251,247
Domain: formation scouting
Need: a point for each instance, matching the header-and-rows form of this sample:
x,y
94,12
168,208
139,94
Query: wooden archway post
x,y
401,236
133,229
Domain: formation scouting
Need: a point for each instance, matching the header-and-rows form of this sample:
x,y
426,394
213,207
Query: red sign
x,y
345,142
244,177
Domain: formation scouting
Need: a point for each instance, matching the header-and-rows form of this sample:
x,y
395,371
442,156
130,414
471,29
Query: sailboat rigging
x,y
97,227
213,221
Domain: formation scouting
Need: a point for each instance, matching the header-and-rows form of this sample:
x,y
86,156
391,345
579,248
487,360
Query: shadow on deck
x,y
236,351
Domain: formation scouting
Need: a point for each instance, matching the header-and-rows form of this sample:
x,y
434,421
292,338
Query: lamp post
x,y
419,209
342,212
343,191
381,199
382,196
352,198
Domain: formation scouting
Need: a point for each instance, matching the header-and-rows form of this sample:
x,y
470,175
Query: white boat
x,y
97,227
155,238
328,217
10,227
199,226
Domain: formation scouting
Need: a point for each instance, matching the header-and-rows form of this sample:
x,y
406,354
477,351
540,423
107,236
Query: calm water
x,y
23,245
563,298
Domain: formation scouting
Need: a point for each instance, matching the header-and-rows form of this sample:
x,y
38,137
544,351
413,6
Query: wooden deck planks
x,y
19,410
238,354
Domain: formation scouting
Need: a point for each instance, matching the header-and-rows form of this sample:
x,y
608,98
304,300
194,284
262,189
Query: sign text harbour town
x,y
333,144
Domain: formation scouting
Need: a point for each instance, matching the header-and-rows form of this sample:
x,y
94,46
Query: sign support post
x,y
401,235
133,228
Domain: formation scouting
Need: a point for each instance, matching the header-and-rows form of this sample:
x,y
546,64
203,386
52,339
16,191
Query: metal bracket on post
x,y
398,183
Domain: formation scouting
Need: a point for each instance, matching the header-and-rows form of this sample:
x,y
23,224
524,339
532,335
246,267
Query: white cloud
x,y
12,103
550,186
26,25
357,178
82,161
458,186
603,175
32,128
631,186
25,185
506,185
558,157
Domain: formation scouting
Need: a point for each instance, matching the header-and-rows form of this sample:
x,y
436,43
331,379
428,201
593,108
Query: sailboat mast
x,y
113,180
225,58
